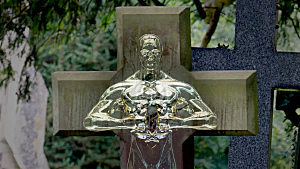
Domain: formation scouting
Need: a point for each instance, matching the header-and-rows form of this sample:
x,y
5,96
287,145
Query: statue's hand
x,y
103,121
199,120
201,114
202,120
101,116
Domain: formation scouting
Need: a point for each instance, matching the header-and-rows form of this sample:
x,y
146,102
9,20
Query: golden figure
x,y
150,103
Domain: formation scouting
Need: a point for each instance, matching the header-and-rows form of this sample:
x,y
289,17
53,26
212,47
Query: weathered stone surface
x,y
25,126
74,95
228,93
22,125
232,95
7,159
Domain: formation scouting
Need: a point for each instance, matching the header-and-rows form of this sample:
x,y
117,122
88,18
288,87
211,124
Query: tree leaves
x,y
289,25
211,152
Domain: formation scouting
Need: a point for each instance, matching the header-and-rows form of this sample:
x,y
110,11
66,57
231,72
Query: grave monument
x,y
150,104
231,95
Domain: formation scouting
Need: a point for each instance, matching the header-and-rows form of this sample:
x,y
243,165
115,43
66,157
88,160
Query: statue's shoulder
x,y
134,77
115,90
173,82
166,78
182,87
127,82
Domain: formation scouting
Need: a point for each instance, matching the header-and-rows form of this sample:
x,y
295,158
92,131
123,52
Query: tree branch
x,y
212,27
295,26
200,9
19,14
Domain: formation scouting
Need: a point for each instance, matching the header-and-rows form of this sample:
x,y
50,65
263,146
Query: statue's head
x,y
150,51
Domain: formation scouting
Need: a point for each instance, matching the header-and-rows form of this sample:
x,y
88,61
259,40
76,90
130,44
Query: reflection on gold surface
x,y
150,103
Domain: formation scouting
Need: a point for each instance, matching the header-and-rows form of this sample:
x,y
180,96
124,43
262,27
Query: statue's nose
x,y
150,56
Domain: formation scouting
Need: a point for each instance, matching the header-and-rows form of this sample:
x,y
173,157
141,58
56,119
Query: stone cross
x,y
230,94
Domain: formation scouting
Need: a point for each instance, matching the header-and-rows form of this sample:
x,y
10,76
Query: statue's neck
x,y
150,75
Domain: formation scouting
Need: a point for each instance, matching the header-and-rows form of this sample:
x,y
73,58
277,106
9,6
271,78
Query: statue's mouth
x,y
150,64
150,58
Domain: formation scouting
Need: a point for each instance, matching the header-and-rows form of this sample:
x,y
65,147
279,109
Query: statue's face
x,y
150,52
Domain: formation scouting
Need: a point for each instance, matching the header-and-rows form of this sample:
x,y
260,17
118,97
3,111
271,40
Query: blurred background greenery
x,y
81,35
288,34
283,142
285,127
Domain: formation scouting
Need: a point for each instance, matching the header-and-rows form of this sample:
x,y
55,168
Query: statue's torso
x,y
143,95
150,103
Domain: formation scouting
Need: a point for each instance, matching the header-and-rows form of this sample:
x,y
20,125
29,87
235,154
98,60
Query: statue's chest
x,y
144,98
150,92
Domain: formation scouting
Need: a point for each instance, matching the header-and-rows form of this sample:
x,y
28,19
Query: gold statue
x,y
150,103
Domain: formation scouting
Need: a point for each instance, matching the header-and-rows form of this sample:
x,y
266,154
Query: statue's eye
x,y
144,52
155,51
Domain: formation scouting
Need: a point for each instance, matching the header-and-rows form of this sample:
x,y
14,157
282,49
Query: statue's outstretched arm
x,y
192,113
99,118
199,120
202,118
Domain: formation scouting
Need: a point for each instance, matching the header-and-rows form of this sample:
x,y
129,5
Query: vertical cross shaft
x,y
171,24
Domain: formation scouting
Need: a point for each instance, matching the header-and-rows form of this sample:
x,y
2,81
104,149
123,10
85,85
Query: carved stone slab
x,y
74,95
230,94
25,126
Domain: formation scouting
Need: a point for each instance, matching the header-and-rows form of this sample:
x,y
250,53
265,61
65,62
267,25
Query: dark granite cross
x,y
254,49
230,94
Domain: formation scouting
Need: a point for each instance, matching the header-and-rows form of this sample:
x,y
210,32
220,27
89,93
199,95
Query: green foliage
x,y
7,72
288,38
101,152
17,16
211,152
283,141
289,14
93,52
284,129
224,33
